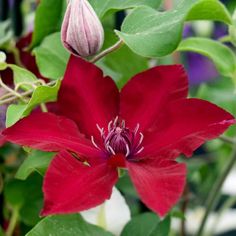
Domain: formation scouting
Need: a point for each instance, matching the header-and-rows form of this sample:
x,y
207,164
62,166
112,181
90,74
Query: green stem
x,y
228,140
13,222
215,192
27,93
107,51
11,90
43,107
6,95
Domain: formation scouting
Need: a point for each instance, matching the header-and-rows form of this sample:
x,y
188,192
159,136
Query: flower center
x,y
119,139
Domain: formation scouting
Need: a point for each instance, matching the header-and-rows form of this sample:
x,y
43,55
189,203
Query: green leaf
x,y
178,214
232,29
126,186
14,194
36,161
209,10
5,32
1,231
48,18
211,92
22,76
154,34
14,113
221,55
27,197
115,66
102,7
41,94
141,225
162,228
51,57
66,225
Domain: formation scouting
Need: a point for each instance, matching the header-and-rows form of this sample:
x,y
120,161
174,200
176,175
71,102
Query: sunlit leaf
x,y
40,95
22,76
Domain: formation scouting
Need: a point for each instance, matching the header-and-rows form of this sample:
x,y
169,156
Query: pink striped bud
x,y
82,32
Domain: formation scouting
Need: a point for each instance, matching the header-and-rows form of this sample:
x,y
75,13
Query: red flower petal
x,y
70,186
185,125
160,183
49,132
145,95
87,97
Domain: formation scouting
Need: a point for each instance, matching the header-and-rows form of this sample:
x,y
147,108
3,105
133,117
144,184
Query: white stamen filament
x,y
141,139
111,150
136,129
127,150
109,126
140,150
123,140
115,121
123,124
101,130
94,143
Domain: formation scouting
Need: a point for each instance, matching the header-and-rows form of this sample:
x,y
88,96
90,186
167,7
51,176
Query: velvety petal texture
x,y
145,96
160,183
87,97
159,123
71,186
49,132
184,126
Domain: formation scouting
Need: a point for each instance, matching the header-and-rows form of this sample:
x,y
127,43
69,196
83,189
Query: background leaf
x,y
5,32
213,50
147,224
162,228
66,225
48,18
209,10
102,7
51,57
36,161
117,63
22,75
143,224
151,33
27,196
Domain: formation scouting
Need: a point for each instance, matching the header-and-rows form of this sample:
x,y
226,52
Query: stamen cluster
x,y
119,139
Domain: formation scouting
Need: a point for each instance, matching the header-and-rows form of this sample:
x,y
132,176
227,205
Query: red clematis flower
x,y
144,128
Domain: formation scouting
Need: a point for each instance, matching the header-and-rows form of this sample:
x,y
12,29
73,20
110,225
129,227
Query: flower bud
x,y
82,32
